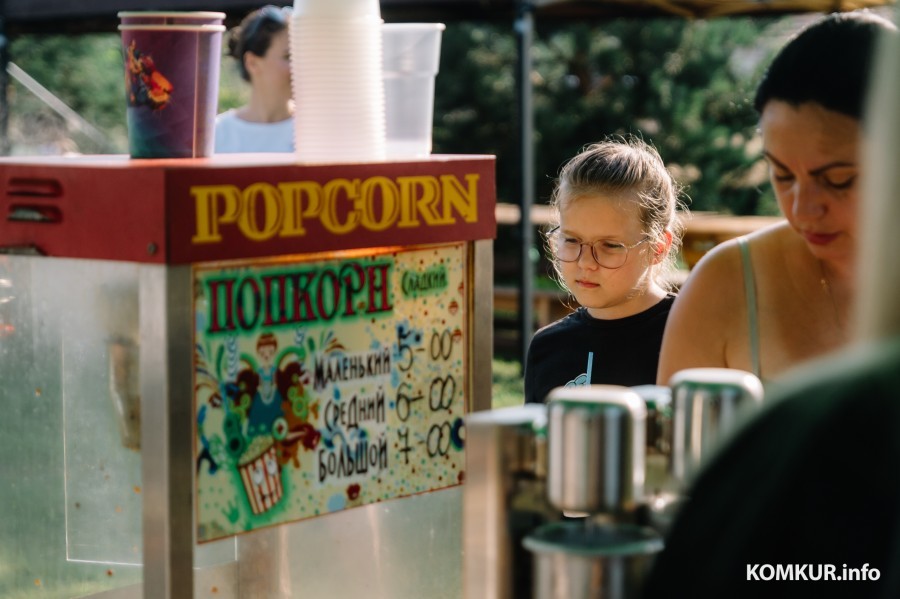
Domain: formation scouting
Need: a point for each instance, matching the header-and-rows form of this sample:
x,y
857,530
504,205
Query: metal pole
x,y
5,146
167,464
525,36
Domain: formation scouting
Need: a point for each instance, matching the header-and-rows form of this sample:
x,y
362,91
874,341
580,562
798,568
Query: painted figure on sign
x,y
266,405
293,429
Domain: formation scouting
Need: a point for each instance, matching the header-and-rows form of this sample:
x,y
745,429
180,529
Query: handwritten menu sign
x,y
326,382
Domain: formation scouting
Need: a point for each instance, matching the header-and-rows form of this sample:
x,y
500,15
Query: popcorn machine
x,y
240,376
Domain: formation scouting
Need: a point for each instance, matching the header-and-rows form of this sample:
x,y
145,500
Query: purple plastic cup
x,y
172,88
171,17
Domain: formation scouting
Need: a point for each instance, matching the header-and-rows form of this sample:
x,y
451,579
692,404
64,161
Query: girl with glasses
x,y
261,48
613,249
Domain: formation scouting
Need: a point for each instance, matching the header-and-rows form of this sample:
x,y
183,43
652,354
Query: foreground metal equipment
x,y
586,484
504,499
596,438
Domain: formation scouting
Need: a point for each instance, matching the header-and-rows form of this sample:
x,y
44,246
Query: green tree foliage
x,y
233,91
86,72
685,86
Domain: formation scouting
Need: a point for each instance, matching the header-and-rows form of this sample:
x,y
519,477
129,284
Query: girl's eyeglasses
x,y
607,253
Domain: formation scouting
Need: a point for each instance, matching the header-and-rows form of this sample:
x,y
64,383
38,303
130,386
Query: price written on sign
x,y
326,383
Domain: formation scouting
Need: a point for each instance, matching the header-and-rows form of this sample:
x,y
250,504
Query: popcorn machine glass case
x,y
240,377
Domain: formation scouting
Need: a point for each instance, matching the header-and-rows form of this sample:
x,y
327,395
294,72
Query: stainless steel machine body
x,y
505,498
99,435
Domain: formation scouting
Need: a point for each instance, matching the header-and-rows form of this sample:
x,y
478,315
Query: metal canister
x,y
706,403
573,560
658,400
595,438
504,499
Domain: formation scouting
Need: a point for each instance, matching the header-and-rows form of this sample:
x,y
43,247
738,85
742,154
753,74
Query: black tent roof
x,y
49,16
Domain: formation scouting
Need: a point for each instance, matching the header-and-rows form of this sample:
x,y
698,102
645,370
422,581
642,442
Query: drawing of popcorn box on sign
x,y
261,475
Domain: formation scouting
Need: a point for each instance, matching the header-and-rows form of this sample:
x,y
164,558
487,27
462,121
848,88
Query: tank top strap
x,y
750,295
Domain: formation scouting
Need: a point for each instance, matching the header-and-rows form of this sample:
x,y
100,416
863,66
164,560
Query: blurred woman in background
x,y
261,47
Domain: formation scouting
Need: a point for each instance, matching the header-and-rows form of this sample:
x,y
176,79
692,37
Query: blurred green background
x,y
683,85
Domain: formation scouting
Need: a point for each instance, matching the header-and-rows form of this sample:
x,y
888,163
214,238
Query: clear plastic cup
x,y
411,56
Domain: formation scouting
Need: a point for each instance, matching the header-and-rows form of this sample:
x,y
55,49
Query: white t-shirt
x,y
236,135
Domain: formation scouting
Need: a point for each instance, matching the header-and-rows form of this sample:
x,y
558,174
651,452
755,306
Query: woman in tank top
x,y
782,295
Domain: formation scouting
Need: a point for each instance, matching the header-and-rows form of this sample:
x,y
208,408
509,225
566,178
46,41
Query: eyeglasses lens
x,y
606,254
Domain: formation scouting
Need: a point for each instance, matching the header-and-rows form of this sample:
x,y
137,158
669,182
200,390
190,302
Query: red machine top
x,y
238,206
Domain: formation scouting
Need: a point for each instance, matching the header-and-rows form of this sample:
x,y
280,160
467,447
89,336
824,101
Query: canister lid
x,y
594,540
716,379
597,398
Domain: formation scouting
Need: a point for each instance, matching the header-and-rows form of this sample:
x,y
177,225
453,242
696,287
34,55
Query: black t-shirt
x,y
582,350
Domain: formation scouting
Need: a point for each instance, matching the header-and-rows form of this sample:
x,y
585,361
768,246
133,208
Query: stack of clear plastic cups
x,y
337,81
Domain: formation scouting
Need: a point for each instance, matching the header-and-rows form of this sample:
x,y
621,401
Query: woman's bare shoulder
x,y
721,265
771,238
725,260
774,252
708,323
707,314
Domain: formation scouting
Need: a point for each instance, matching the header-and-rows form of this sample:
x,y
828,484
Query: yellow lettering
x,y
329,215
295,210
419,196
263,210
210,211
248,221
464,201
390,203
